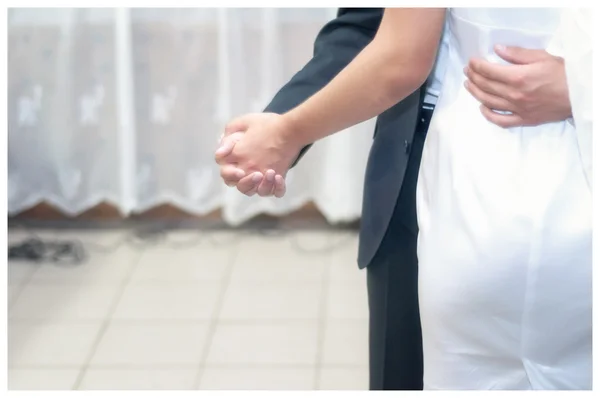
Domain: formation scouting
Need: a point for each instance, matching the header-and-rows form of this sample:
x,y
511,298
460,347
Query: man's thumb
x,y
520,55
226,146
224,150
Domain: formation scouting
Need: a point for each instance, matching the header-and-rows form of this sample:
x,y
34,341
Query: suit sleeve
x,y
335,47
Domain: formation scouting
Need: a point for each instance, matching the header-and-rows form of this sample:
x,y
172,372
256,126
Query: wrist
x,y
291,132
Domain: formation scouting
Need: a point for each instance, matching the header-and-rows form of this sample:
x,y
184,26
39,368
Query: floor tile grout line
x,y
187,321
214,320
212,327
20,288
192,366
322,323
106,322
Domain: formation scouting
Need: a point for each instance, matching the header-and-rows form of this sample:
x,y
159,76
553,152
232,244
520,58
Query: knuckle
x,y
487,101
516,96
225,159
471,87
229,175
519,80
469,72
473,78
243,187
250,165
474,65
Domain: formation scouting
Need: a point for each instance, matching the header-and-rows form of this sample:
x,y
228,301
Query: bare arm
x,y
395,64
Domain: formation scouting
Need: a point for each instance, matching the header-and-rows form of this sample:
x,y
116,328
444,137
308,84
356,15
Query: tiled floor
x,y
196,310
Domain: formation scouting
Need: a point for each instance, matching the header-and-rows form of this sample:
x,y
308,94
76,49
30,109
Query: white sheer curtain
x,y
125,106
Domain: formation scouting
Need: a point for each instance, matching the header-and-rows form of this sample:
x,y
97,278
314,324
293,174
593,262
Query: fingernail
x,y
466,70
240,174
270,175
500,47
257,177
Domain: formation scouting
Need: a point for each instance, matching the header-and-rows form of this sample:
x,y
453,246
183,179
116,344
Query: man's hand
x,y
252,145
252,184
534,88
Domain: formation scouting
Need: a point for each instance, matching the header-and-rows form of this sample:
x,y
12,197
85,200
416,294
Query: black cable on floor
x,y
75,251
58,252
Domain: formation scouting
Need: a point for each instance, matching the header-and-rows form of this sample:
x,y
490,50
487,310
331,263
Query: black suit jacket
x,y
335,46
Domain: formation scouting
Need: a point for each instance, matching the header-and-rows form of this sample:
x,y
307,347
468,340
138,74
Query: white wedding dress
x,y
505,221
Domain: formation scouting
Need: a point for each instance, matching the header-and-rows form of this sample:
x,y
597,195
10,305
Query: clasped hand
x,y
257,149
255,153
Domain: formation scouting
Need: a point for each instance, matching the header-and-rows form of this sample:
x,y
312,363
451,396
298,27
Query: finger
x,y
280,187
233,137
267,185
485,84
239,124
249,184
224,152
507,74
504,121
231,175
489,100
520,55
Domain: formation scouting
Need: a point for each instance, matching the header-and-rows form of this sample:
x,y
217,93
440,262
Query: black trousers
x,y
395,341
